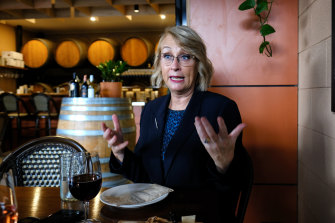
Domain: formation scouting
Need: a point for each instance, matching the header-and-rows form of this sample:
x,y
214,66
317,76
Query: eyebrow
x,y
166,47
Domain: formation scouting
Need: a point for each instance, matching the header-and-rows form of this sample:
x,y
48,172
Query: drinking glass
x,y
85,178
65,163
8,204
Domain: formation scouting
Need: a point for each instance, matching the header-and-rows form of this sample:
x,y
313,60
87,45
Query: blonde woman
x,y
190,138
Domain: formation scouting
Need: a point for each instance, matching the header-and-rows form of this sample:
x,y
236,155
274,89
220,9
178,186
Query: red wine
x,y
86,186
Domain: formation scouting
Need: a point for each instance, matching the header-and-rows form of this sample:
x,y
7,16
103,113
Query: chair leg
x,y
11,135
37,127
47,126
18,129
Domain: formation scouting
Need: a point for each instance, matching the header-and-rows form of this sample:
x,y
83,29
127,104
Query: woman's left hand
x,y
220,146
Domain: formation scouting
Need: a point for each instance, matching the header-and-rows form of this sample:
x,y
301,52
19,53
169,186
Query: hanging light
x,y
136,8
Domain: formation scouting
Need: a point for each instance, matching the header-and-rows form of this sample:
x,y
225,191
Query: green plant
x,y
262,9
111,70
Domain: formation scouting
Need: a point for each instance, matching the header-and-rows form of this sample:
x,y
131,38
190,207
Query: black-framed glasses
x,y
185,60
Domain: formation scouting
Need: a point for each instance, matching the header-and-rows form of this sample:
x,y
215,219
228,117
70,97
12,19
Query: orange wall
x,y
8,43
265,90
7,38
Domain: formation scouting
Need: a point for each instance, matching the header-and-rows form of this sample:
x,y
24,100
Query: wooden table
x,y
41,202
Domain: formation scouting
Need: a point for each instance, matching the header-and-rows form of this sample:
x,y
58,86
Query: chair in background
x,y
15,108
44,105
3,130
245,189
36,163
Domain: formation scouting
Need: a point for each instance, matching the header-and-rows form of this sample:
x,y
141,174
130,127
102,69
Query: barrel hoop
x,y
109,174
104,160
74,132
84,108
79,118
87,101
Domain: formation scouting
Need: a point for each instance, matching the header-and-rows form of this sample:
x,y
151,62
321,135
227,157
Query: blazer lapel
x,y
159,113
184,131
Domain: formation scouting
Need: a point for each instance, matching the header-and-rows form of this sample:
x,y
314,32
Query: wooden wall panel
x,y
7,42
271,134
272,204
232,40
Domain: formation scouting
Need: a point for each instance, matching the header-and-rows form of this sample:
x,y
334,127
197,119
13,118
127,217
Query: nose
x,y
175,63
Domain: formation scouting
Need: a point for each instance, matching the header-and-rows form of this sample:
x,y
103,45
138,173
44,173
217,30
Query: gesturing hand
x,y
221,145
114,138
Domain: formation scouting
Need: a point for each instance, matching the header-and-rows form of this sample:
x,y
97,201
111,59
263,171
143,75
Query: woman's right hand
x,y
114,138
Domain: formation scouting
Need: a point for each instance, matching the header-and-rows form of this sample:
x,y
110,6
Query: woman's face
x,y
179,78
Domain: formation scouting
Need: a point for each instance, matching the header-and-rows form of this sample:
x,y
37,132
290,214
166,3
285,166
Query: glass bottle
x,y
91,88
74,86
84,88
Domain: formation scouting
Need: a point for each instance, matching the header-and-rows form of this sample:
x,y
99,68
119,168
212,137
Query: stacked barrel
x,y
72,52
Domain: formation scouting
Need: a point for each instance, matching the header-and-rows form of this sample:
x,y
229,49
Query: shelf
x,y
11,67
138,72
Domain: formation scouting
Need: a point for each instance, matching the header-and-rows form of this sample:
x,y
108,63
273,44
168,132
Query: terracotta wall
x,y
265,90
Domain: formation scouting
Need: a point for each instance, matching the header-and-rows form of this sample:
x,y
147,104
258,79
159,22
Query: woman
x,y
189,138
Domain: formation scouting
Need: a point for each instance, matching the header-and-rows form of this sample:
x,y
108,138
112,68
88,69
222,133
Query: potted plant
x,y
262,9
111,73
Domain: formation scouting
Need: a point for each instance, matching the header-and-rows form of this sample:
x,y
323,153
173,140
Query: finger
x,y
113,140
107,134
103,126
208,128
119,147
237,130
116,123
200,129
223,132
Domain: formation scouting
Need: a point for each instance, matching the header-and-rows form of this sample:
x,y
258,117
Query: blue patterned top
x,y
171,125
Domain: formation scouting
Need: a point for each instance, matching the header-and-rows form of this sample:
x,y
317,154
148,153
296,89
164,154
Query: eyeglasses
x,y
185,60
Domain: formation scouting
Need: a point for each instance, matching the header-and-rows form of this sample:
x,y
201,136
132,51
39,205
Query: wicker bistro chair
x,y
36,163
43,106
15,108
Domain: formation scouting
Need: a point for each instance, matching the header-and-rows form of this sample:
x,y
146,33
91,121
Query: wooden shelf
x,y
11,67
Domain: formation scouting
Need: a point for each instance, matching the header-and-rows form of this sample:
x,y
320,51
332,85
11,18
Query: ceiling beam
x,y
86,10
15,13
120,8
49,12
27,2
154,6
69,2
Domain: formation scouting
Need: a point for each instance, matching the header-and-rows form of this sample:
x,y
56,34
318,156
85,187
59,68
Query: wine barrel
x,y
81,118
37,52
136,51
101,50
71,53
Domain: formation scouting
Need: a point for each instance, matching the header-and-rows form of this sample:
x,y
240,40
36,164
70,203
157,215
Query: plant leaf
x,y
248,4
262,46
261,6
266,29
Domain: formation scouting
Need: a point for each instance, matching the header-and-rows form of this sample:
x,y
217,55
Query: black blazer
x,y
187,163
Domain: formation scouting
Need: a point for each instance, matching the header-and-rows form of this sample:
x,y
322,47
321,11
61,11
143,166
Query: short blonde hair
x,y
192,43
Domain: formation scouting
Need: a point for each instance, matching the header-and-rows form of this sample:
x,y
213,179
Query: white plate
x,y
134,195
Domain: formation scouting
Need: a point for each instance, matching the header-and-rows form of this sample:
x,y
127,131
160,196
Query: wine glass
x,y
85,179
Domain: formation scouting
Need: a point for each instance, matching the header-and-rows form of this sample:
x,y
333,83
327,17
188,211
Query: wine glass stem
x,y
86,209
